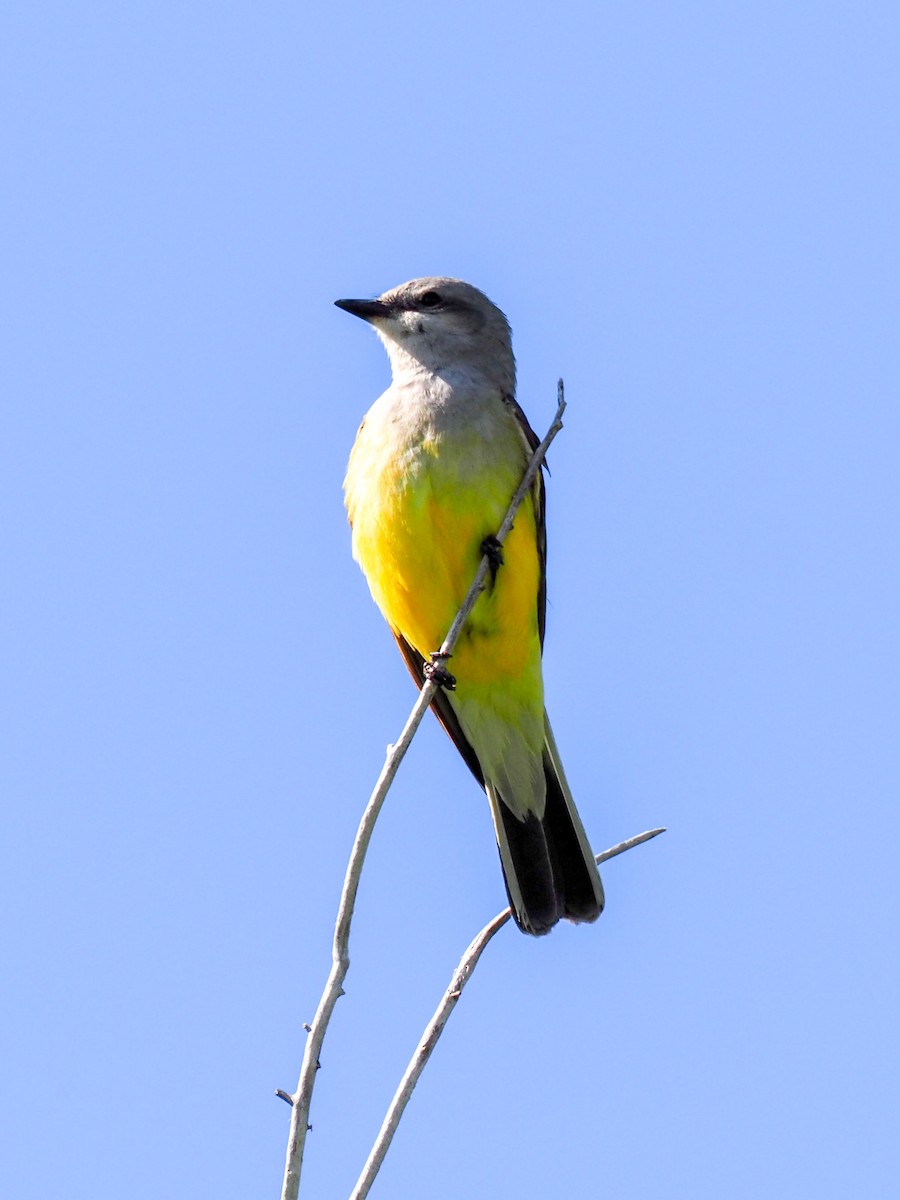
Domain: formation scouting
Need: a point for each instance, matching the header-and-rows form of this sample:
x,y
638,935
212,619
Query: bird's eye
x,y
429,300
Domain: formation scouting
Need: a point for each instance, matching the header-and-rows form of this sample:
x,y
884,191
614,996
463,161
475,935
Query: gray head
x,y
443,325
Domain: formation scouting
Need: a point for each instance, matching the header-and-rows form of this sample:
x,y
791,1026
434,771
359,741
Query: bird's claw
x,y
493,551
438,673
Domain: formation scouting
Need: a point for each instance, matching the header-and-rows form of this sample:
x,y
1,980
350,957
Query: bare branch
x,y
302,1098
435,1028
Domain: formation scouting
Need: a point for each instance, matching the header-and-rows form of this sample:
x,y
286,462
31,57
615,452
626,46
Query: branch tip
x,y
629,844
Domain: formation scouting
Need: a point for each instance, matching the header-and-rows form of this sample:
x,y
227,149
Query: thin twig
x,y
302,1098
435,1028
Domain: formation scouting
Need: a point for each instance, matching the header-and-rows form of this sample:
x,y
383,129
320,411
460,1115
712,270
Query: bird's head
x,y
443,325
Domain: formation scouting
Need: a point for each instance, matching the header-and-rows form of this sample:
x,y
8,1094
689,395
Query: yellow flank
x,y
418,524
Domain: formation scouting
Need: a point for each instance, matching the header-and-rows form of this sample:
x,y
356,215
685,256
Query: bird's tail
x,y
548,864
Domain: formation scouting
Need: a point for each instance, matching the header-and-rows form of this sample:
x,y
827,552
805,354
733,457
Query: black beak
x,y
369,310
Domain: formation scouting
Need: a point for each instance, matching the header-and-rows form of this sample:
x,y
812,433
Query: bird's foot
x,y
493,551
438,673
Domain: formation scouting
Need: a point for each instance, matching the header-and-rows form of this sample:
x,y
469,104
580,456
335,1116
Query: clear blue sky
x,y
689,210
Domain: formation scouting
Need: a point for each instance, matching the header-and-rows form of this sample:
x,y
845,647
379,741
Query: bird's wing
x,y
540,507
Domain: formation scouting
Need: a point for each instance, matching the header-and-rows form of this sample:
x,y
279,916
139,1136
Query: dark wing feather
x,y
540,509
440,706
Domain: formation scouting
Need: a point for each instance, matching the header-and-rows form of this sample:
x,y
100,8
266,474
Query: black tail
x,y
548,864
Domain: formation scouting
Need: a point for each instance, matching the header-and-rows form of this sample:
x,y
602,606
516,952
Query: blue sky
x,y
690,212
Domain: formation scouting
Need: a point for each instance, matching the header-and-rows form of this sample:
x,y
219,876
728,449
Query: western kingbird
x,y
435,464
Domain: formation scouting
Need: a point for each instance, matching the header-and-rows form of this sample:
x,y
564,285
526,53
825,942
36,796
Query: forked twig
x,y
301,1099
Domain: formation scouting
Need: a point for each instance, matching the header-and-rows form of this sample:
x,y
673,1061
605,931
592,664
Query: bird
x,y
431,474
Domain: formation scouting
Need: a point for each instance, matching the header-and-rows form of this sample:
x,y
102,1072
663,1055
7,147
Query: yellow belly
x,y
418,524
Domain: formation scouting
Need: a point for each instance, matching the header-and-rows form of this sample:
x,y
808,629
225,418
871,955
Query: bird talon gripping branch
x,y
438,673
493,551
